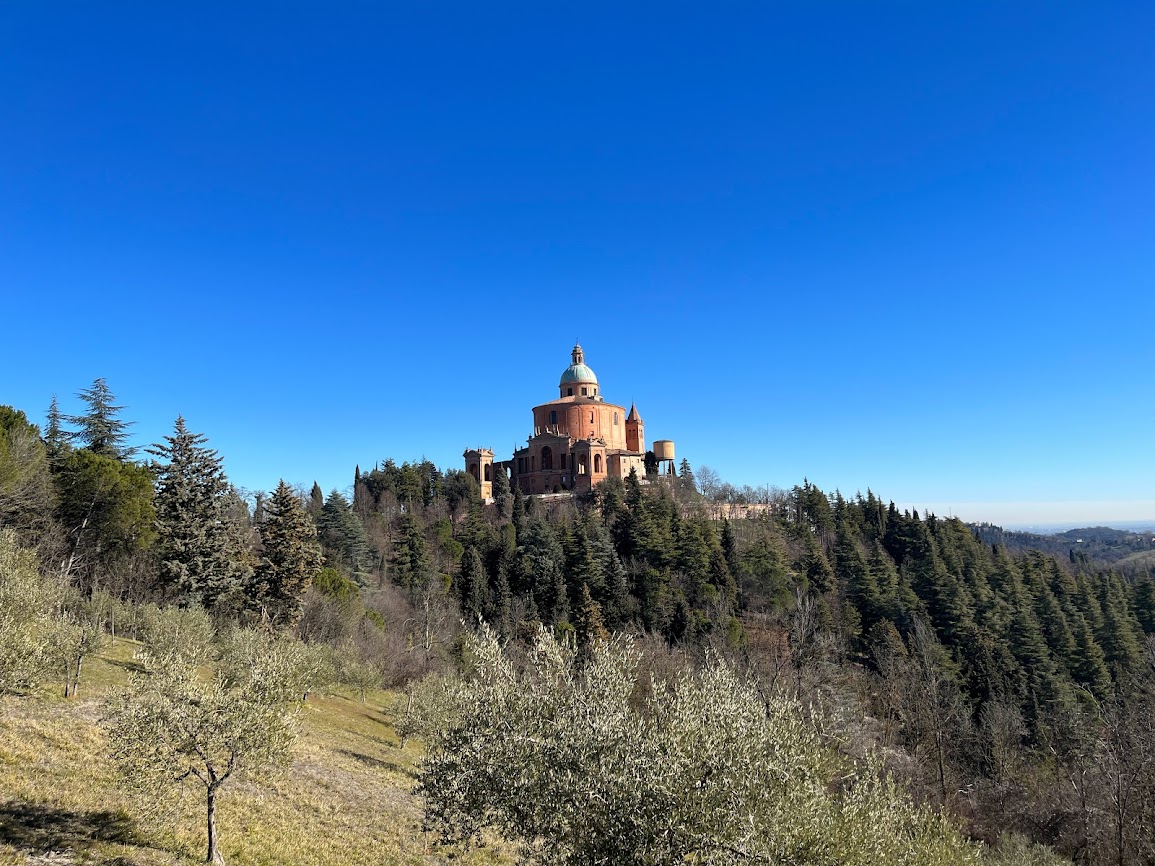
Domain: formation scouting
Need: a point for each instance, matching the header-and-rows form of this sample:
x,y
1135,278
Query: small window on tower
x,y
585,392
615,419
569,392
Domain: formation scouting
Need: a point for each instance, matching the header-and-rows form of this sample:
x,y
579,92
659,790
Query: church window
x,y
546,458
597,463
615,419
563,461
569,392
584,391
553,417
521,465
533,464
581,468
591,417
488,472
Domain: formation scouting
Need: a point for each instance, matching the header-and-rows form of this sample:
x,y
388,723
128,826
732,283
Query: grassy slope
x,y
346,799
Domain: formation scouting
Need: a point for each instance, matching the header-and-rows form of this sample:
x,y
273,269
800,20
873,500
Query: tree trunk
x,y
214,855
408,711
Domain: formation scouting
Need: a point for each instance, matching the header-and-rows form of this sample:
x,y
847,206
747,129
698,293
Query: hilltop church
x,y
578,441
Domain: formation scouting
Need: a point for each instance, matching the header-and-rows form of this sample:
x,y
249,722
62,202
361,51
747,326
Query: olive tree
x,y
29,625
576,762
174,726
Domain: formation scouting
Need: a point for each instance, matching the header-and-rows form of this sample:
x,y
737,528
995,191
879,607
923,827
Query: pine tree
x,y
343,537
105,506
1088,665
1119,634
55,437
686,481
411,568
814,565
100,430
291,556
25,480
201,546
589,626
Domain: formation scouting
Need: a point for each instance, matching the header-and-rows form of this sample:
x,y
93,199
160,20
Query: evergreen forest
x,y
1003,688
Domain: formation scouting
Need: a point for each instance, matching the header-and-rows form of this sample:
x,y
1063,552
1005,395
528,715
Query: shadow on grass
x,y
128,664
377,763
41,827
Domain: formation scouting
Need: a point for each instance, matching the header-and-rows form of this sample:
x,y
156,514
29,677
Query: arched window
x,y
546,458
553,416
581,464
597,464
488,472
473,471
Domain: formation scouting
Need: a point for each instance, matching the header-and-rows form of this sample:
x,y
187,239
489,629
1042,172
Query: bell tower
x,y
479,464
635,431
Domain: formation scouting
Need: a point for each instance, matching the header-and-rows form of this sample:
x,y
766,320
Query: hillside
x,y
345,799
1096,545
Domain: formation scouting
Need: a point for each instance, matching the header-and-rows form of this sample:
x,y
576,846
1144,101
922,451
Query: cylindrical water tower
x,y
664,453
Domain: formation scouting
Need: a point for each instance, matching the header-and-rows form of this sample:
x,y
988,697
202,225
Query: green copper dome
x,y
578,372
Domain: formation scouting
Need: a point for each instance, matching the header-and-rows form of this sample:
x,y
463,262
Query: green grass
x,y
347,798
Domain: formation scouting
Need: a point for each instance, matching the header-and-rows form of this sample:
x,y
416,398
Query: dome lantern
x,y
578,380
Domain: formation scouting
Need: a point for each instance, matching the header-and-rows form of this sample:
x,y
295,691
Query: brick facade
x,y
578,440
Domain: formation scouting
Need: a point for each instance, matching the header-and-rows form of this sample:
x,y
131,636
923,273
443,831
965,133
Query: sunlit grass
x,y
346,799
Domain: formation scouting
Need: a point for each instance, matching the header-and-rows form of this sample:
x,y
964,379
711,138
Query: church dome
x,y
578,372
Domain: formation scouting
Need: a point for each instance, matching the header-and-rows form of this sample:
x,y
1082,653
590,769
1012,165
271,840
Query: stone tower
x,y
635,431
479,464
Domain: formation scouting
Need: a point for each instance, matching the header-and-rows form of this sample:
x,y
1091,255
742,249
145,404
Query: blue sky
x,y
906,246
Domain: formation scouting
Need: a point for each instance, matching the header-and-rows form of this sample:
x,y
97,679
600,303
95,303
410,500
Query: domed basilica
x,y
578,440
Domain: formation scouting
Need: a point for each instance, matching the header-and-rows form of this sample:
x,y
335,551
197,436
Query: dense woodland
x,y
1013,688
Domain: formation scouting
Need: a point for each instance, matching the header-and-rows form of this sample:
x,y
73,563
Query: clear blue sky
x,y
909,246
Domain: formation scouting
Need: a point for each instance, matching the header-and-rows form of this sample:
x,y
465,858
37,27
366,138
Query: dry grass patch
x,y
346,799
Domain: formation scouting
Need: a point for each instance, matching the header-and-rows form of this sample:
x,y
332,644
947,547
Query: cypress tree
x,y
316,501
730,546
473,586
201,546
502,496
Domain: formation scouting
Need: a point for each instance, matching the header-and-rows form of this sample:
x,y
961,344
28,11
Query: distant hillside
x,y
1095,545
